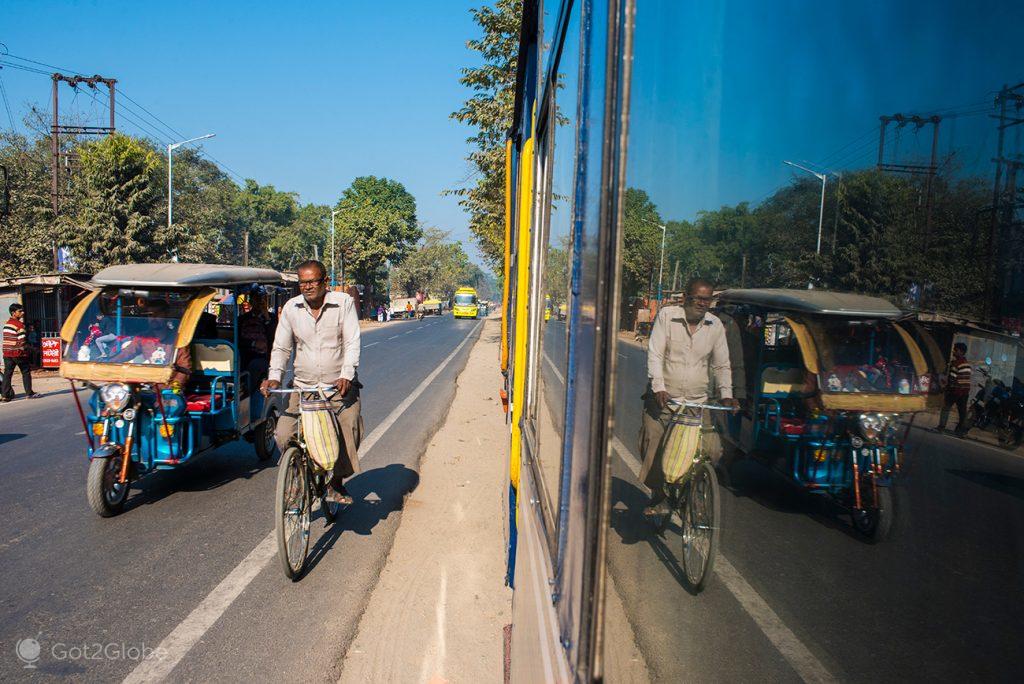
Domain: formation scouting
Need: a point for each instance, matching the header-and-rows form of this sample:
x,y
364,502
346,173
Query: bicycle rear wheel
x,y
700,514
292,509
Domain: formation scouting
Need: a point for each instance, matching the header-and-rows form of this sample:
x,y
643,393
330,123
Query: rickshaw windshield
x,y
465,299
130,326
862,356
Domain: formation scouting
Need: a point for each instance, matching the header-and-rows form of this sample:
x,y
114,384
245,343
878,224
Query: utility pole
x,y
930,169
56,130
675,276
245,252
1005,97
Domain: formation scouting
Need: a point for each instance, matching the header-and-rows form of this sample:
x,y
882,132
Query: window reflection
x,y
828,171
558,152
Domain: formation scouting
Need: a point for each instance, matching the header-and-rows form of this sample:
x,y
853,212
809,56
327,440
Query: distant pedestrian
x,y
958,388
34,345
380,313
408,310
16,353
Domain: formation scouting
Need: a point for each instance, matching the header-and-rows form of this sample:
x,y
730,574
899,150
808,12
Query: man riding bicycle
x,y
686,341
322,328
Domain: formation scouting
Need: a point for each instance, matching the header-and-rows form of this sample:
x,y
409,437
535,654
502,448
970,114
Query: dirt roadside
x,y
437,613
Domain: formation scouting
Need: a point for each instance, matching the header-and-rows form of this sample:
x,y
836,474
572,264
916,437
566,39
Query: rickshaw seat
x,y
778,381
212,357
204,402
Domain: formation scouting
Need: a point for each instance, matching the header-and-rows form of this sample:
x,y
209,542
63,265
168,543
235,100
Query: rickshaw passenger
x,y
686,342
255,337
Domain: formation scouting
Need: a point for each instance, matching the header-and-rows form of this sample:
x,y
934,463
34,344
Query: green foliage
x,y
27,234
119,194
876,222
437,267
489,111
641,243
376,222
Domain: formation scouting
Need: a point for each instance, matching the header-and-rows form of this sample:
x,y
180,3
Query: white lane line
x,y
622,356
181,640
370,345
551,363
391,338
771,625
792,649
187,634
409,332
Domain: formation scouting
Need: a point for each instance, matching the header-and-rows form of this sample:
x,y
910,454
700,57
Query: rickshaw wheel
x,y
876,523
265,442
106,496
292,512
700,513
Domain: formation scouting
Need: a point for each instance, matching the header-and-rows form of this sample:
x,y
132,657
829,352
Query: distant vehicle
x,y
399,308
430,307
465,303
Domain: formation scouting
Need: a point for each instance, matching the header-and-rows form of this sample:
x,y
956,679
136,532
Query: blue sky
x,y
723,92
305,96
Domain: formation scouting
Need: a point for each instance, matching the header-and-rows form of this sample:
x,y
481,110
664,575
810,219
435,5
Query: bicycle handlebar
x,y
293,390
694,404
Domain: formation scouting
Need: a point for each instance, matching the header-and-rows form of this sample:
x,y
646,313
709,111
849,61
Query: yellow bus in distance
x,y
464,304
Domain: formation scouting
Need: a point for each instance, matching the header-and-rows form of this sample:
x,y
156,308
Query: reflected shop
x,y
776,433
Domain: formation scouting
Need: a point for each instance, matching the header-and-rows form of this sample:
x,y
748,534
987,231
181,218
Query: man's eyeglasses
x,y
311,283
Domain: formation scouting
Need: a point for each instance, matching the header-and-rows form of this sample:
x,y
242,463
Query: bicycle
x,y
300,481
694,498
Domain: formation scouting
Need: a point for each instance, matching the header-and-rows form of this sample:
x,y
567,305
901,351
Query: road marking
x,y
771,625
391,338
365,346
409,332
181,640
622,356
187,634
554,368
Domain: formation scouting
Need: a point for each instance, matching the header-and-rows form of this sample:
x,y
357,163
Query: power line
x,y
119,106
7,104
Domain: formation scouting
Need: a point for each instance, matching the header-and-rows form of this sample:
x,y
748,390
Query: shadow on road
x,y
210,472
390,484
11,437
1008,484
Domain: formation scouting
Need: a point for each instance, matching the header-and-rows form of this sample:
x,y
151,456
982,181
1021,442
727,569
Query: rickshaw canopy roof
x,y
819,302
185,275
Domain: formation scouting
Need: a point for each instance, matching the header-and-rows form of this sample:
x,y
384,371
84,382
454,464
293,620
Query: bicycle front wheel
x,y
292,510
700,514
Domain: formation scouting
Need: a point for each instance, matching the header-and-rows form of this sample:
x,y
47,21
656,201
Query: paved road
x,y
73,579
798,595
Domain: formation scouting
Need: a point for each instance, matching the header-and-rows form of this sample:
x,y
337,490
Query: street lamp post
x,y
821,211
170,173
334,281
661,268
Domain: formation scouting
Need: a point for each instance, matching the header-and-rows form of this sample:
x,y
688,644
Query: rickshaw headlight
x,y
871,426
115,395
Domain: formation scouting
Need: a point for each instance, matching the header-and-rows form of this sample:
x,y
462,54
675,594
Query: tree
x,y
489,110
260,210
376,223
307,236
119,189
641,243
437,267
27,234
204,228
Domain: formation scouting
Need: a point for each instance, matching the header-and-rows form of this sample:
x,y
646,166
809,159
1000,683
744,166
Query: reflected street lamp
x,y
821,211
661,268
170,174
334,280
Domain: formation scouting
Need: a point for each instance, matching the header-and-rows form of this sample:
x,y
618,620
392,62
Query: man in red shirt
x,y
16,354
958,388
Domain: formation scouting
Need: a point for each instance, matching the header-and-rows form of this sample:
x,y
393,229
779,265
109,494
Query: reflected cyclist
x,y
686,341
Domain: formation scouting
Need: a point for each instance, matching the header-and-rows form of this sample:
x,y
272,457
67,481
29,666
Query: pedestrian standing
x,y
16,354
958,389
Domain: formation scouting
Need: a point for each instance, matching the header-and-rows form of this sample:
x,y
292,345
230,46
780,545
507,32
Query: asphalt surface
x,y
94,592
798,594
